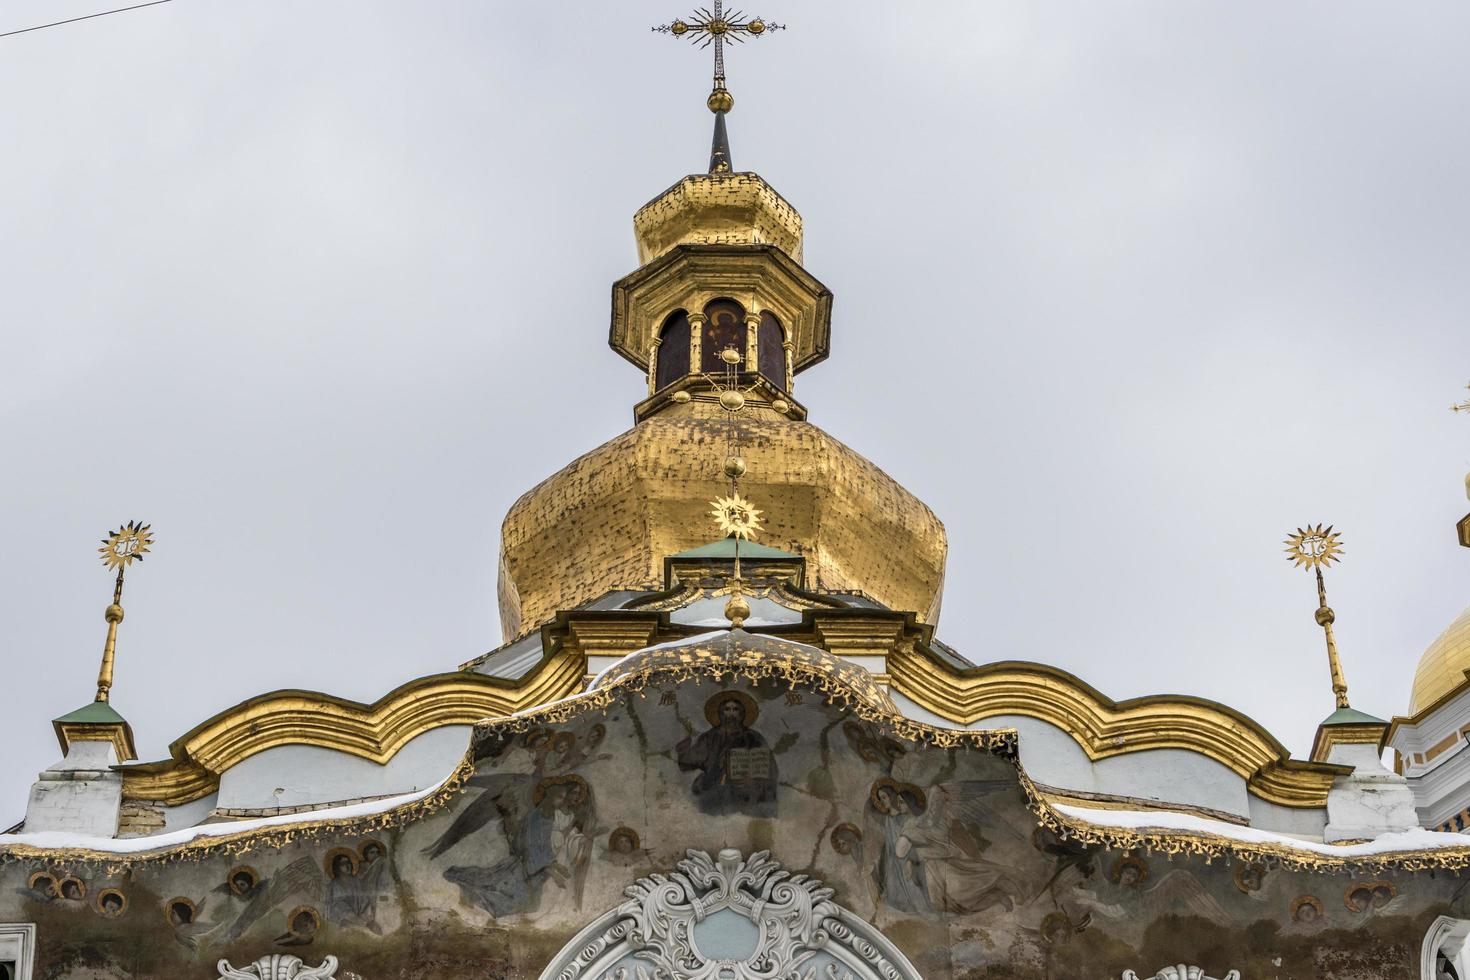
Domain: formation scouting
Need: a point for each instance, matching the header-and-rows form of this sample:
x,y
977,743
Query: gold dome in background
x,y
1443,666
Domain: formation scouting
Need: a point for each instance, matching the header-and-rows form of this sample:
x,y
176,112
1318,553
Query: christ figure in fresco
x,y
736,768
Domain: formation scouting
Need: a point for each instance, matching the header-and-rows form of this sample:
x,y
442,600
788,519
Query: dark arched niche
x,y
673,350
770,352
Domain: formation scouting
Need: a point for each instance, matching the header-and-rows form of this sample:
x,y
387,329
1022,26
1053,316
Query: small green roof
x,y
725,548
1352,716
94,713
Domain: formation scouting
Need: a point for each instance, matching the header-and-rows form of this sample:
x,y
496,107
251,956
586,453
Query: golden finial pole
x,y
1316,548
734,515
120,549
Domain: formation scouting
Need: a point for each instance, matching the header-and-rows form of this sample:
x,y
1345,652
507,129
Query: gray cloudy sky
x,y
1124,291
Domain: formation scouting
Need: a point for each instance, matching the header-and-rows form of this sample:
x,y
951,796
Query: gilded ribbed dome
x,y
609,519
1443,666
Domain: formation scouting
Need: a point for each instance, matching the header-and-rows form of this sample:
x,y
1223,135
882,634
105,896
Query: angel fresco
x,y
548,826
737,770
936,850
355,882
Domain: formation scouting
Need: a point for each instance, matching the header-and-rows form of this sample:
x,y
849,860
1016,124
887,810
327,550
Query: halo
x,y
626,833
52,891
126,545
1301,900
1241,867
571,779
736,517
61,886
316,919
892,785
336,852
97,903
712,707
1314,547
1115,874
238,870
371,842
168,908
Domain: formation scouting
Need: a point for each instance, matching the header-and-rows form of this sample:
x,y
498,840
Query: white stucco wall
x,y
300,775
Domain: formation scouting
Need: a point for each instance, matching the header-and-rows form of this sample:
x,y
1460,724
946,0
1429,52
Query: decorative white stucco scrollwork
x,y
729,918
1182,972
279,966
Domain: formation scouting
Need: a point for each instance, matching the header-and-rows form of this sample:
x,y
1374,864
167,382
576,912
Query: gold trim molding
x,y
1105,728
836,687
370,731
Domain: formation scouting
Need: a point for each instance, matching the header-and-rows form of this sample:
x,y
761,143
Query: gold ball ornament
x,y
720,101
1467,485
734,467
113,613
732,401
756,26
730,355
737,611
681,397
678,28
781,405
1325,616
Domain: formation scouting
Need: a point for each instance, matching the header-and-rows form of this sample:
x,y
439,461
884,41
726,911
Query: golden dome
x,y
609,519
1443,666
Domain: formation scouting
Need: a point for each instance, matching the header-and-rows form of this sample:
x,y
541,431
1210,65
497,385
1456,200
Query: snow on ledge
x,y
59,840
1166,821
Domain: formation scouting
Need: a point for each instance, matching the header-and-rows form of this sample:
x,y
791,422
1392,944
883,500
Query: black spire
x,y
719,151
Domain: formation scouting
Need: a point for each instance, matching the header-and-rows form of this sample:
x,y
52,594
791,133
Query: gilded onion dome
x,y
720,289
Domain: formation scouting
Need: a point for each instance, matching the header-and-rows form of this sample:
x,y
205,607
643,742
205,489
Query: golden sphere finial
x,y
732,401
681,396
678,28
737,611
730,355
756,26
720,100
734,467
113,613
781,405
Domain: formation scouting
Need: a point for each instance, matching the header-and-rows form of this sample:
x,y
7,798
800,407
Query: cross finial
x,y
706,28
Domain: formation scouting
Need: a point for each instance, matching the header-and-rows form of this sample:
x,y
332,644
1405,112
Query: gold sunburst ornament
x,y
1314,547
126,545
736,517
1317,547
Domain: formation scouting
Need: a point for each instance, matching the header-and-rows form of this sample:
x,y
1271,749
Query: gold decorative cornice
x,y
759,276
375,732
757,658
1104,727
116,733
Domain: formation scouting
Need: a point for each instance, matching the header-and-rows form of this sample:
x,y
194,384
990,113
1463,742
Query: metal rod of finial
x,y
1325,618
1316,548
129,543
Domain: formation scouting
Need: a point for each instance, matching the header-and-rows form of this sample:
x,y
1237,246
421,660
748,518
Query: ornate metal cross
x,y
1463,406
707,27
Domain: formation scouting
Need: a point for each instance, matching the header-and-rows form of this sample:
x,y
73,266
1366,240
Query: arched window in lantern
x,y
673,350
771,350
724,327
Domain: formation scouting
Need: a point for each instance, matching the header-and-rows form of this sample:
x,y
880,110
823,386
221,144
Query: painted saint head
x,y
371,852
845,838
623,840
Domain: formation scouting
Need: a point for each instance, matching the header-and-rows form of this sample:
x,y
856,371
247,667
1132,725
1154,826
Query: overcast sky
x,y
1124,291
